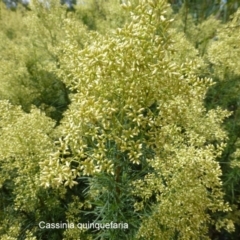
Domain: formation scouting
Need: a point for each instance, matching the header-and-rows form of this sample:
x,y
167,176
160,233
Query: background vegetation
x,y
120,112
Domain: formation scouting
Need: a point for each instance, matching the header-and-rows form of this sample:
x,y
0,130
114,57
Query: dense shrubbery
x,y
118,115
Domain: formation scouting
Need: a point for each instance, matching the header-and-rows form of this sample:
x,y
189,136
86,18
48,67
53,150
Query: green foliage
x,y
101,15
199,34
21,151
224,53
135,108
26,43
136,143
